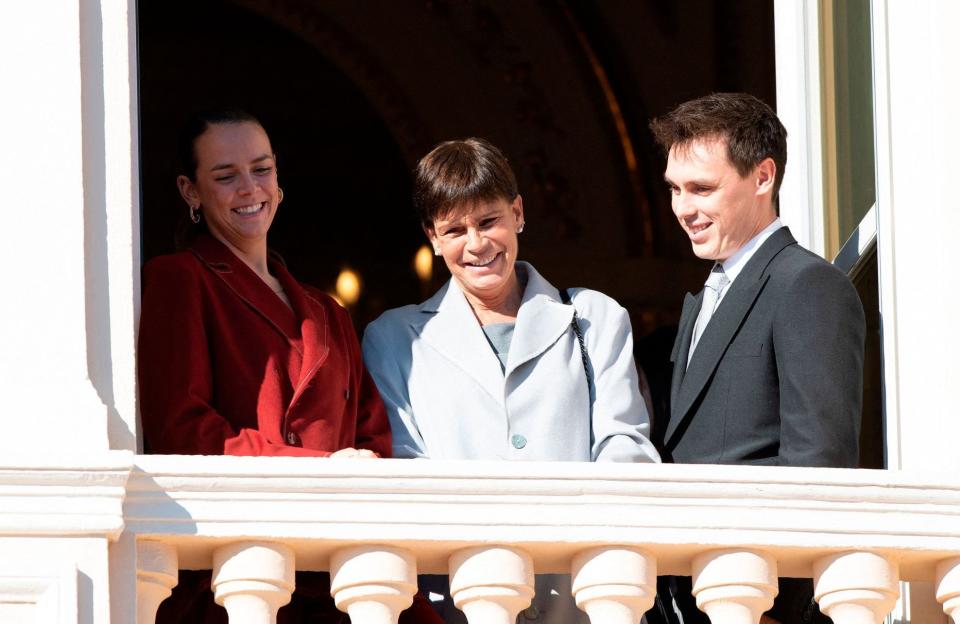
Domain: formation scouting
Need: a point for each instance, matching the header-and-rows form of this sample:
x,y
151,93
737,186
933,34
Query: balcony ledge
x,y
551,510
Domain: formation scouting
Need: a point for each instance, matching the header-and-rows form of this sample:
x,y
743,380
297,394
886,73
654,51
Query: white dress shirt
x,y
733,265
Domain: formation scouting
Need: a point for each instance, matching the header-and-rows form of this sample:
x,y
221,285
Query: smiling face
x,y
718,209
479,246
235,185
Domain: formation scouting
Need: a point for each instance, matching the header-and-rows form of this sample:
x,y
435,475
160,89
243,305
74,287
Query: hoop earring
x,y
279,194
195,214
520,228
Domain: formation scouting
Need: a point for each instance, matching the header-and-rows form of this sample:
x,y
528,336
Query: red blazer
x,y
226,368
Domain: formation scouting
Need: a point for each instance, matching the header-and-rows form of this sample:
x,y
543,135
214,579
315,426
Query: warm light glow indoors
x,y
348,287
423,263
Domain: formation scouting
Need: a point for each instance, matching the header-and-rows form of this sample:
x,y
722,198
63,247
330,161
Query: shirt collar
x,y
735,263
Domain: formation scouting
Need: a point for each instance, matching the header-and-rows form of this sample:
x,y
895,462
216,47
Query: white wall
x,y
54,580
70,268
796,25
68,256
917,86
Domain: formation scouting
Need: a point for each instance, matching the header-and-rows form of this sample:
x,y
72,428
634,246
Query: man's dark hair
x,y
196,125
750,129
459,173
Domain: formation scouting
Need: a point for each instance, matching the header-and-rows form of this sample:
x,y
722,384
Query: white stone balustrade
x,y
252,580
614,585
734,586
491,584
856,587
948,587
156,577
373,583
491,525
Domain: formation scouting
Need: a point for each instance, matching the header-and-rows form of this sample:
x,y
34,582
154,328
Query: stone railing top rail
x,y
551,510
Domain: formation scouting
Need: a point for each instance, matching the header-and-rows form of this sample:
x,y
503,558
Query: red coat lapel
x,y
306,327
247,286
314,327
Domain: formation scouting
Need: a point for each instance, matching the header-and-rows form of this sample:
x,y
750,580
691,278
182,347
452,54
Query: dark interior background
x,y
353,92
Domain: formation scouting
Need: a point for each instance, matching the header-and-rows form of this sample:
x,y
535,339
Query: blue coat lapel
x,y
448,326
542,319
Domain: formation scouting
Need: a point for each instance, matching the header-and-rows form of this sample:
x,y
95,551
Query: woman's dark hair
x,y
196,125
457,173
749,127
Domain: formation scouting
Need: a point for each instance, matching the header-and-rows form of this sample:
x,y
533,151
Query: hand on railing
x,y
352,453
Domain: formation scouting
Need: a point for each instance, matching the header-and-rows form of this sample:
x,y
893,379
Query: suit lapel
x,y
248,287
724,324
542,319
449,326
681,346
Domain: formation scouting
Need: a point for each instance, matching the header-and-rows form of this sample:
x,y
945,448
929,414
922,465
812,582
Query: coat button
x,y
518,441
293,439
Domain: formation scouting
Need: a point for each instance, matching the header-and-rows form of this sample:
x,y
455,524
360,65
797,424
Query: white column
x,y
45,277
916,89
252,580
796,29
734,586
856,587
948,587
491,585
157,565
373,583
614,585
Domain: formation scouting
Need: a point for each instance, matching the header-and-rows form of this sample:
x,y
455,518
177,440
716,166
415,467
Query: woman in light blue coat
x,y
497,365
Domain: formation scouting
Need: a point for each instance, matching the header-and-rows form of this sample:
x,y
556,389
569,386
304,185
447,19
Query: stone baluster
x,y
856,587
157,566
373,583
252,580
948,587
614,585
491,584
734,586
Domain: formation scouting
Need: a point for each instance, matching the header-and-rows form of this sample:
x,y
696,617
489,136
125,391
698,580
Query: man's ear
x,y
188,191
766,175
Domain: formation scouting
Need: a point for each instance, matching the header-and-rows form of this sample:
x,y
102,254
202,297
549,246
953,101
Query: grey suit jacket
x,y
777,376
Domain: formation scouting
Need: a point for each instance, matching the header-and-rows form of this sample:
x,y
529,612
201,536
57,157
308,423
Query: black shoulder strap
x,y
565,298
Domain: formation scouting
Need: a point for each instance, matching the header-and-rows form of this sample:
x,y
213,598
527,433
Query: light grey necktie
x,y
716,282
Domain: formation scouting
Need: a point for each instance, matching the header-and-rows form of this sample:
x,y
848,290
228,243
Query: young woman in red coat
x,y
238,358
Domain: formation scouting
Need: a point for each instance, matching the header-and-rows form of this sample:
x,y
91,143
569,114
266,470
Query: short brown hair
x,y
749,127
457,173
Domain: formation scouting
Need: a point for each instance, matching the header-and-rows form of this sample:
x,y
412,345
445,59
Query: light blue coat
x,y
447,397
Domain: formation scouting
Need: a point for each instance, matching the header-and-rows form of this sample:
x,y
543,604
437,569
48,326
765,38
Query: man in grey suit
x,y
768,360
